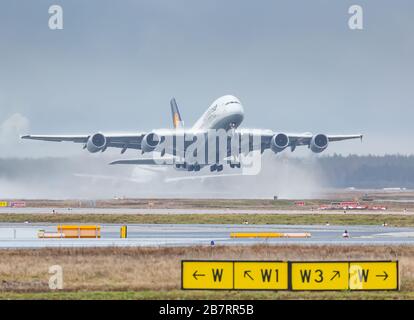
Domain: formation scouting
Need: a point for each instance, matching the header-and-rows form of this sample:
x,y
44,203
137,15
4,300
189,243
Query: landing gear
x,y
193,167
216,167
188,167
235,162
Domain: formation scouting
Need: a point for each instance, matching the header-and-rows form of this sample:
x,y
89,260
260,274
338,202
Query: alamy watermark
x,y
56,278
356,20
215,148
56,17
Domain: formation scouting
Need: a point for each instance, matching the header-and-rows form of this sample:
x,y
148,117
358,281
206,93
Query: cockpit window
x,y
231,102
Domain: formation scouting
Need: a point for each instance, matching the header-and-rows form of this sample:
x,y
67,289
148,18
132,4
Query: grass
x,y
176,203
280,204
205,295
334,219
155,273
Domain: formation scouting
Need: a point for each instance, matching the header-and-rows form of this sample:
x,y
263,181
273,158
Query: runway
x,y
20,235
51,210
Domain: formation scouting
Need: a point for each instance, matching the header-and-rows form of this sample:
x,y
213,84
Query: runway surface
x,y
50,210
20,235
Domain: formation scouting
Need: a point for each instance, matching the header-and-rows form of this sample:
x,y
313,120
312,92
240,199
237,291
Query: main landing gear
x,y
188,167
219,167
216,167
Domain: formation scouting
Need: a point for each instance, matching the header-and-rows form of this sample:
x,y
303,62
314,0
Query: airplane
x,y
225,114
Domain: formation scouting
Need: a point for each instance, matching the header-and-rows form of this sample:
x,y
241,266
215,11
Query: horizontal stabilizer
x,y
149,161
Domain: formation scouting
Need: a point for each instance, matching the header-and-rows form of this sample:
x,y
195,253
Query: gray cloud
x,y
10,131
295,66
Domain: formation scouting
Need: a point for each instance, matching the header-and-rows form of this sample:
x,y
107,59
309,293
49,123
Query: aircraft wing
x,y
127,141
344,137
134,141
56,138
301,139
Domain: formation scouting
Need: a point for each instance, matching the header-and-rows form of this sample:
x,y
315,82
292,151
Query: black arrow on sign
x,y
247,273
336,273
385,276
195,275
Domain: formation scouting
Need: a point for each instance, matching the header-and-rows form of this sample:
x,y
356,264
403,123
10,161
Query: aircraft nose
x,y
235,108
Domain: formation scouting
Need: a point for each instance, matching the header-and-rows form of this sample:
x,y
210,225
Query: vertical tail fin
x,y
176,117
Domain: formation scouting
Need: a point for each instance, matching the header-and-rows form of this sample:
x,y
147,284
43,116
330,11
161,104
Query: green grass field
x,y
206,295
333,219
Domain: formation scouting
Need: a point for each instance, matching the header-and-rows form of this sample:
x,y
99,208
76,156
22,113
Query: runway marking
x,y
396,234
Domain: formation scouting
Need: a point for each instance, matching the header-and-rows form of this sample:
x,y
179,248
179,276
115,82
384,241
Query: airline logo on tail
x,y
176,120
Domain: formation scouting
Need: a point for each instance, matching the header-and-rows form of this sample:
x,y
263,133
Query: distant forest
x,y
368,171
336,170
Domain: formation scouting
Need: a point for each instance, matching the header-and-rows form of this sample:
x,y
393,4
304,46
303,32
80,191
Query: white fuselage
x,y
224,113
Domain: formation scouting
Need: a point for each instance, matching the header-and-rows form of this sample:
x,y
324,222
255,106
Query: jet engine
x,y
279,142
319,143
149,142
96,142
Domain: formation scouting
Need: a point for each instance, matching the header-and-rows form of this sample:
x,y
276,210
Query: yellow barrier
x,y
50,235
80,231
123,232
269,235
297,235
4,204
256,235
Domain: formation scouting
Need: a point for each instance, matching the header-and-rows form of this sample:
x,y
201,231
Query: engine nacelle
x,y
96,142
279,142
149,142
319,143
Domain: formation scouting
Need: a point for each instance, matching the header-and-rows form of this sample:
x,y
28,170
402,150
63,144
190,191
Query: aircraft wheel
x,y
219,168
213,168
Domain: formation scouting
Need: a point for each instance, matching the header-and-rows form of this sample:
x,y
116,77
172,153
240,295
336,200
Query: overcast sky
x,y
295,65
